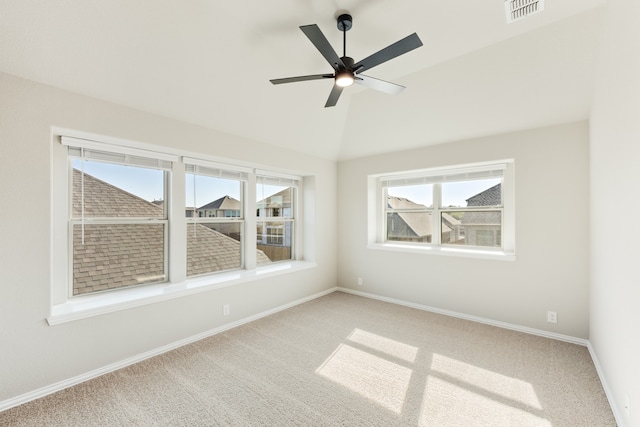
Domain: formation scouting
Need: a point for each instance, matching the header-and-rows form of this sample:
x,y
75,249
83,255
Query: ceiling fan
x,y
345,71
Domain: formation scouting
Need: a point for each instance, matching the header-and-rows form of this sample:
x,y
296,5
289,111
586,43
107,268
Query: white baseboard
x,y
607,390
499,324
61,385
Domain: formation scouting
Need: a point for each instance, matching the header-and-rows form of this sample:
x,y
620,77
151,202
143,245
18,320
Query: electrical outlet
x,y
360,282
226,310
552,317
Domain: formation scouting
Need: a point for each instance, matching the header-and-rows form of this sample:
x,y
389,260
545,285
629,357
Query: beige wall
x,y
35,355
552,202
615,184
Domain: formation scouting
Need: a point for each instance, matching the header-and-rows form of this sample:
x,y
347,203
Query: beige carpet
x,y
347,361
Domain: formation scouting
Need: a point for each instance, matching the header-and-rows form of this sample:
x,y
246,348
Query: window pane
x,y
213,247
116,256
274,241
482,192
410,197
472,228
117,191
210,197
274,201
409,226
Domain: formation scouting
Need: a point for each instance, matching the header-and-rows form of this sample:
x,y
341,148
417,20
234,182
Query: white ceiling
x,y
209,63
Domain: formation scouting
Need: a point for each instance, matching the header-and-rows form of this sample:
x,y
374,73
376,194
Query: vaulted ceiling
x,y
209,63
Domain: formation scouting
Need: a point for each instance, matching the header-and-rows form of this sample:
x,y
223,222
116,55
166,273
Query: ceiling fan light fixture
x,y
344,79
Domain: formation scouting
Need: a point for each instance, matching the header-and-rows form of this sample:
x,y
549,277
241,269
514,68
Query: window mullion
x,y
436,223
385,207
177,233
250,206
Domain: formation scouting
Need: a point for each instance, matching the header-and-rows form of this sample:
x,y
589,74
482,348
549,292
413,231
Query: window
x,y
471,212
117,220
116,226
215,235
276,198
468,207
408,212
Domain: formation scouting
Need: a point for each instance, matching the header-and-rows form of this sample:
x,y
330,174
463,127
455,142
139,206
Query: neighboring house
x,y
474,228
484,228
120,255
415,226
274,225
272,212
224,207
276,205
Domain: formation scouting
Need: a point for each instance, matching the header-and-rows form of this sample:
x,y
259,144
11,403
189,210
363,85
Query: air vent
x,y
518,9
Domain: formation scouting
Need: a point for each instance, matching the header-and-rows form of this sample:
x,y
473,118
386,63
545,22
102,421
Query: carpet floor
x,y
342,360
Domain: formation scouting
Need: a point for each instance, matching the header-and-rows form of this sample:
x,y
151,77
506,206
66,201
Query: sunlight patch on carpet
x,y
446,403
492,382
370,374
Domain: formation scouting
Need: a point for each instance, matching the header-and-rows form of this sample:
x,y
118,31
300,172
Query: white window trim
x,y
65,308
377,203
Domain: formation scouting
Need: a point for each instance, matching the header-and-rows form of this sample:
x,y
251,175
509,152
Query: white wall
x,y
551,270
35,355
615,202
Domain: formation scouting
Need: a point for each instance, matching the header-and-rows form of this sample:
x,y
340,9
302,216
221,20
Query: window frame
x,y
378,209
65,307
293,183
198,167
84,150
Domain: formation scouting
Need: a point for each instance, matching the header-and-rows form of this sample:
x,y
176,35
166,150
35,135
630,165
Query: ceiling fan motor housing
x,y
348,62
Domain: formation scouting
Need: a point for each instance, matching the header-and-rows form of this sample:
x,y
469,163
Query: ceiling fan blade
x,y
379,85
333,96
321,43
398,48
301,78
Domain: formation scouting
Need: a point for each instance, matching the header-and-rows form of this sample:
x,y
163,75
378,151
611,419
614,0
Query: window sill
x,y
82,307
444,251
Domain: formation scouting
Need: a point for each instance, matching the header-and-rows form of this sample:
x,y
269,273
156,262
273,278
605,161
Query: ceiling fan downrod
x,y
345,22
344,75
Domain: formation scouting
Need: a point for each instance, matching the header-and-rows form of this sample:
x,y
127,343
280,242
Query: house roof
x,y
403,203
418,222
489,197
115,256
223,203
